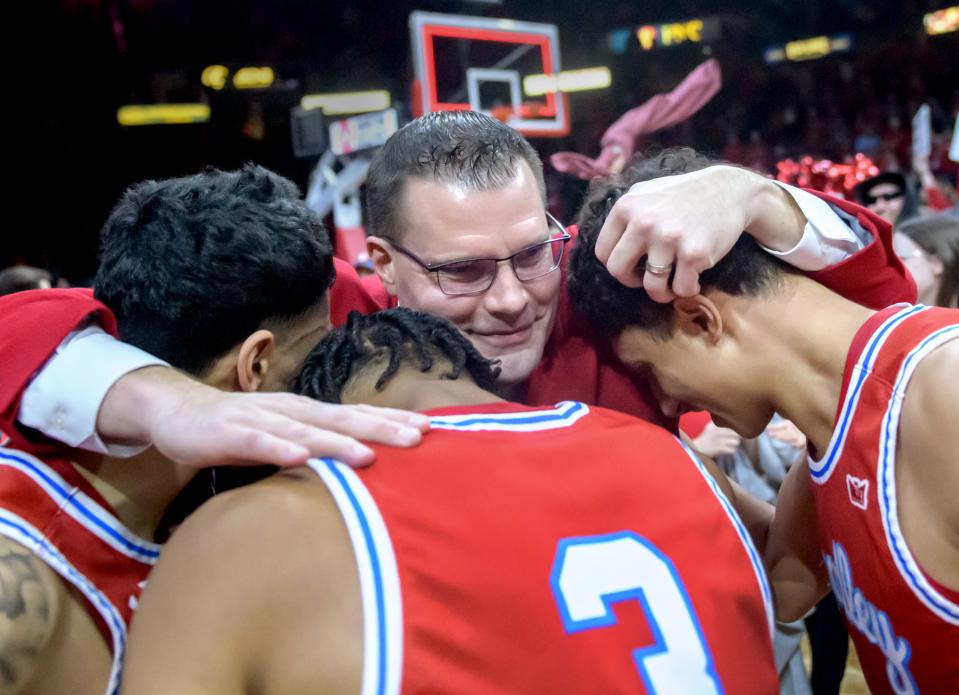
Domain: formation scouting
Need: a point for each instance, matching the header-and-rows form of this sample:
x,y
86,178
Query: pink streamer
x,y
661,111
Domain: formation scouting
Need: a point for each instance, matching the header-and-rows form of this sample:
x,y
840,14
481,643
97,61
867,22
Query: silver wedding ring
x,y
654,269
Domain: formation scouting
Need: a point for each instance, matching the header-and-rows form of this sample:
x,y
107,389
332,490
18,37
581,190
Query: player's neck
x,y
445,394
802,337
139,488
411,390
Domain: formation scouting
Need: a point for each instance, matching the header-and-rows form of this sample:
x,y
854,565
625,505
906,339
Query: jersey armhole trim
x,y
379,577
905,562
820,471
755,560
20,531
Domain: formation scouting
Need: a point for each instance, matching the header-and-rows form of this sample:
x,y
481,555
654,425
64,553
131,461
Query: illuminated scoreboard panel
x,y
652,36
809,49
944,21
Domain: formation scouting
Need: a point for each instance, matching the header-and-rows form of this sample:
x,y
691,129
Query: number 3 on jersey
x,y
592,573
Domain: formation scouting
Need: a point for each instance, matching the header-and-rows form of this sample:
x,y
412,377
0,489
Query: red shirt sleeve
x,y
693,424
937,199
350,292
873,277
33,324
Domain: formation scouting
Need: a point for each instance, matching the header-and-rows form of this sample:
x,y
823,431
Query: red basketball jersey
x,y
562,550
906,628
51,510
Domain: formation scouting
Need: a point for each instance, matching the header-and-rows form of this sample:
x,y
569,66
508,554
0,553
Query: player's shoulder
x,y
31,598
931,392
934,372
648,432
258,513
289,520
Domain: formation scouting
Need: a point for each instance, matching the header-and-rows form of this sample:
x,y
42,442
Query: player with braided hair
x,y
363,338
484,561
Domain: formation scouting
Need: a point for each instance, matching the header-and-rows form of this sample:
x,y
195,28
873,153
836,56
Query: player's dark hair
x,y
394,336
610,305
192,266
465,148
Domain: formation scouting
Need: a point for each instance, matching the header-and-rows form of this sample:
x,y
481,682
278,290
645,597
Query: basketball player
x,y
239,310
516,550
874,392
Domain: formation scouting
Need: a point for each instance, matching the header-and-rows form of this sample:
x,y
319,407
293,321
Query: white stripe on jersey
x,y
564,414
16,529
886,474
379,577
754,559
820,471
82,508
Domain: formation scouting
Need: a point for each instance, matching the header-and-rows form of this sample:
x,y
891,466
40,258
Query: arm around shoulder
x,y
875,276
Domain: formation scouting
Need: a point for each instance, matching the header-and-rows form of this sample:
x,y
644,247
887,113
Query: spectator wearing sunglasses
x,y
890,196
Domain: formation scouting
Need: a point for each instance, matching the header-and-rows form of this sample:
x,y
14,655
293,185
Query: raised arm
x,y
686,223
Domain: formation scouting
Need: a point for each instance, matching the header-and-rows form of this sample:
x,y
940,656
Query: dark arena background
x,y
85,59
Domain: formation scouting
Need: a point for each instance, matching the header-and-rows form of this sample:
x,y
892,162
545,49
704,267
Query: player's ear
x,y
254,360
383,256
698,316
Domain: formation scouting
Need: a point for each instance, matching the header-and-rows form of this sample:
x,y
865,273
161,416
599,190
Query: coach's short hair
x,y
385,340
192,266
610,305
465,148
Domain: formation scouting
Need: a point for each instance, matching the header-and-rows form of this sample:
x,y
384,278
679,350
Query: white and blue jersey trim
x,y
755,560
886,475
563,414
379,578
821,470
18,530
82,508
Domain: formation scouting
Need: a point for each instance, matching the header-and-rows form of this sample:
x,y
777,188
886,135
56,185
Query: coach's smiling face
x,y
442,222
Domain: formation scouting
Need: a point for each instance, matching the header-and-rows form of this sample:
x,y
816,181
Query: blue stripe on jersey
x,y
559,415
887,483
758,567
376,569
822,469
20,531
143,551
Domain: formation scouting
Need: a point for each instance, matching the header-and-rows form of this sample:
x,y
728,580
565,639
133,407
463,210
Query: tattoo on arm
x,y
28,609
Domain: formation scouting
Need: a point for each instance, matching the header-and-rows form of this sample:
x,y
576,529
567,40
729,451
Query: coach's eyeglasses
x,y
476,275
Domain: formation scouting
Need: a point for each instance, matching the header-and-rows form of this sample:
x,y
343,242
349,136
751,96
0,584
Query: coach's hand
x,y
200,426
683,225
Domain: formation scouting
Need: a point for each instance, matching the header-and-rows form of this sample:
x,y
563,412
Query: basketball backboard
x,y
478,63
